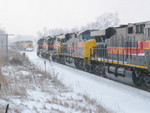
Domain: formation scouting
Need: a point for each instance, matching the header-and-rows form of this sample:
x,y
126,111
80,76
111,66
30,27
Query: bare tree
x,y
57,31
43,32
3,41
103,22
75,29
107,20
51,32
40,34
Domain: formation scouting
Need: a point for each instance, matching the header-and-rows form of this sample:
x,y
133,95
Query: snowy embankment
x,y
29,90
117,96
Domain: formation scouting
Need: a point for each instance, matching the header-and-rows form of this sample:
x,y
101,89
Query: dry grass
x,y
54,110
11,85
2,58
84,105
2,108
15,84
99,107
2,61
90,100
17,58
13,57
1,77
48,76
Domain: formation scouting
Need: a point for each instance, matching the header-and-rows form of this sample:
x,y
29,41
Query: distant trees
x,y
51,32
2,31
3,41
104,21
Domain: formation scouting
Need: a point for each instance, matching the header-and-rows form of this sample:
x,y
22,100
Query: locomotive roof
x,y
141,22
86,31
60,36
98,33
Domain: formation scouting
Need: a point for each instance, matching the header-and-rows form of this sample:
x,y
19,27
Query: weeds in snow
x,y
18,59
21,78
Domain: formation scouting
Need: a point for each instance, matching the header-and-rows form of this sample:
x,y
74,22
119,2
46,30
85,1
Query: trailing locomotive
x,y
123,52
26,45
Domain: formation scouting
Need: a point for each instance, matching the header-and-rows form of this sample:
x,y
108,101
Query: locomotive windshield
x,y
29,42
87,37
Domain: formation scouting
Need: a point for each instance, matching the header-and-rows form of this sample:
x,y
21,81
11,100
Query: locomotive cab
x,y
89,43
100,49
147,45
101,37
42,49
50,43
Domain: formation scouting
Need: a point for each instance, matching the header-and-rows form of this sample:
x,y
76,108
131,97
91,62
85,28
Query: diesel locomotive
x,y
26,45
121,53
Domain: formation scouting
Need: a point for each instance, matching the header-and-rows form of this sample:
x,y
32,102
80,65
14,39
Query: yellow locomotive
x,y
24,45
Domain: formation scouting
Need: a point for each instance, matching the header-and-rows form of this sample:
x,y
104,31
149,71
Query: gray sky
x,y
29,16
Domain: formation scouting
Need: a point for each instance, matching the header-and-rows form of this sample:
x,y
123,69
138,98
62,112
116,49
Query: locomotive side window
x,y
140,28
87,37
148,32
73,45
130,30
131,44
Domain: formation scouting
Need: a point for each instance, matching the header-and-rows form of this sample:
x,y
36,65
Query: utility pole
x,y
6,40
6,46
45,65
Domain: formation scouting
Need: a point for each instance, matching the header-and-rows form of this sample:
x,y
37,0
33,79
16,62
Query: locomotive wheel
x,y
62,60
102,72
50,58
38,54
47,56
99,69
137,78
81,65
141,80
75,63
146,80
53,58
88,68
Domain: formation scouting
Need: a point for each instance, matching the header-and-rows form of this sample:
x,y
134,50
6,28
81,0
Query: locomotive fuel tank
x,y
121,74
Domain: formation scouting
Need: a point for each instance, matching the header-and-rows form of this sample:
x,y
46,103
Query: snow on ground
x,y
117,96
28,90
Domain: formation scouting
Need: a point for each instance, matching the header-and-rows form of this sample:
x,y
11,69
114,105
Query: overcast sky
x,y
29,16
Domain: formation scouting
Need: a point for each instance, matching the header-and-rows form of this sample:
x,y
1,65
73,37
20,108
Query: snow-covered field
x,y
27,89
116,96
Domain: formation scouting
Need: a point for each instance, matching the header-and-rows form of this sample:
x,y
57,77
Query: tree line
x,y
102,22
